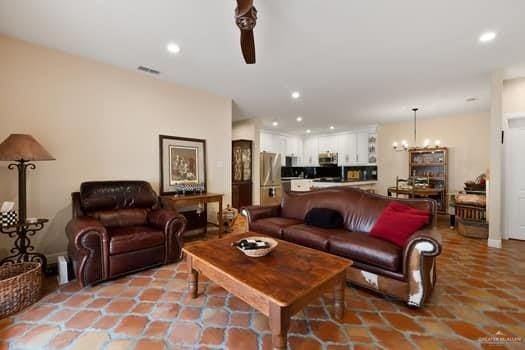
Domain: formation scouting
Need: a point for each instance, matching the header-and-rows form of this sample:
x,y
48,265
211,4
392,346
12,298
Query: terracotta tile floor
x,y
480,292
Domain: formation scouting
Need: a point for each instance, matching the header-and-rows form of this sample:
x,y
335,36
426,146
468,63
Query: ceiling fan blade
x,y
243,6
248,46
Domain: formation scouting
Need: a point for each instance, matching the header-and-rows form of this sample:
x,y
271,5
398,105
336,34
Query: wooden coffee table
x,y
278,285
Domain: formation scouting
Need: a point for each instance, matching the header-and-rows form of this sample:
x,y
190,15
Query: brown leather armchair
x,y
118,227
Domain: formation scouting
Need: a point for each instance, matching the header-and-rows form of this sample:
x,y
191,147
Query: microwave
x,y
328,158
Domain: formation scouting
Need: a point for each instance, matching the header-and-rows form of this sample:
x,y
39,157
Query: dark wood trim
x,y
161,157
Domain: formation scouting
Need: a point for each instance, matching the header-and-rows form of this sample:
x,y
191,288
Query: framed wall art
x,y
182,165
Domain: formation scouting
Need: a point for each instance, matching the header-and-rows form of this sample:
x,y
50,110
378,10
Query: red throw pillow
x,y
397,226
400,207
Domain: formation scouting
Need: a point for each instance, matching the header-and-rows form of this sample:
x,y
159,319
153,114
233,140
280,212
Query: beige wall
x,y
249,129
100,122
465,136
514,96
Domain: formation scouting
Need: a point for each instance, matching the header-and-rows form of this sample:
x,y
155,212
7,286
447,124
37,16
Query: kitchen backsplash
x,y
367,173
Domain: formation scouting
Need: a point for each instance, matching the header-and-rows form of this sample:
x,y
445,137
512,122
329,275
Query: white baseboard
x,y
53,258
494,243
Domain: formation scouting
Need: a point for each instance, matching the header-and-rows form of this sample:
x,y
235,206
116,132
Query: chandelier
x,y
404,146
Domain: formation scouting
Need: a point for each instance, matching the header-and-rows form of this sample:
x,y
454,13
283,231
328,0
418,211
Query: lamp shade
x,y
23,147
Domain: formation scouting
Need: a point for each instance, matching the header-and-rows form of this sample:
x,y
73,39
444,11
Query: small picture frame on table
x,y
182,165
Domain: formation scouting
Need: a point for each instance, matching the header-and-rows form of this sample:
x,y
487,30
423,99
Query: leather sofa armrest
x,y
419,264
89,249
431,239
257,212
173,224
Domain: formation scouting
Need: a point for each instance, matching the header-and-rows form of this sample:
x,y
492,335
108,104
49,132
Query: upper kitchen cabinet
x,y
273,143
362,147
328,143
266,142
294,148
355,147
347,149
311,151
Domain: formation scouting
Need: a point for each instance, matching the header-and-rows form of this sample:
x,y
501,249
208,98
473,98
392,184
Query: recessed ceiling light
x,y
471,99
308,131
275,123
173,48
487,37
299,119
296,95
332,127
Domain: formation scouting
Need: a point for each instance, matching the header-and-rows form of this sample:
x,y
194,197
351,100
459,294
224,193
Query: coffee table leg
x,y
279,322
193,279
339,298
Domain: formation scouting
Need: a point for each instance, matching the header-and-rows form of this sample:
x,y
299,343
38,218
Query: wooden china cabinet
x,y
242,160
432,163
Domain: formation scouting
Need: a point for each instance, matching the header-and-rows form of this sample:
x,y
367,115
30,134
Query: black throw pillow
x,y
324,218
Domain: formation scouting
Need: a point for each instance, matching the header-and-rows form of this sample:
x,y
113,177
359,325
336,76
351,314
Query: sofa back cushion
x,y
117,203
109,195
360,210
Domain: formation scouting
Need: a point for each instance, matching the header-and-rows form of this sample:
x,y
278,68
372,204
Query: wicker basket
x,y
259,253
473,228
19,286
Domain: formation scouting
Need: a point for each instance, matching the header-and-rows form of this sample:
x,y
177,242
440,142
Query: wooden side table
x,y
23,250
194,199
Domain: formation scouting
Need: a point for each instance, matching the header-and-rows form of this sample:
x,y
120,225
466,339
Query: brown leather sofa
x,y
407,273
118,227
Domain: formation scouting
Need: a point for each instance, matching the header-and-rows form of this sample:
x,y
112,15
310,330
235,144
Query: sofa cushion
x,y
131,238
361,247
273,226
397,226
324,218
310,236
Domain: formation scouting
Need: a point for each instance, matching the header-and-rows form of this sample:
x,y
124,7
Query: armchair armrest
x,y
419,264
89,249
257,212
173,224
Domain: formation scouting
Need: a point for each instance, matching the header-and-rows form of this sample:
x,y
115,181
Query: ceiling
x,y
354,62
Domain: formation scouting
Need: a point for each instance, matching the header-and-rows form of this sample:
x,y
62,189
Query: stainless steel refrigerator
x,y
271,190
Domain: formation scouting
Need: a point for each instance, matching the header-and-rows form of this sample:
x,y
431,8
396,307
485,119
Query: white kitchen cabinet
x,y
311,151
294,148
362,147
273,143
327,143
266,142
347,149
279,143
353,148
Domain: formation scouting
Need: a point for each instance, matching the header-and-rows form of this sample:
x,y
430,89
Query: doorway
x,y
514,180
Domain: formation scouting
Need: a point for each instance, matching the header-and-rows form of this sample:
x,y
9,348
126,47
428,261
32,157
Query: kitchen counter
x,y
323,184
308,184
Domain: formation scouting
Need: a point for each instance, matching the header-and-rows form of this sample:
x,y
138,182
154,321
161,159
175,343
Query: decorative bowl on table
x,y
256,246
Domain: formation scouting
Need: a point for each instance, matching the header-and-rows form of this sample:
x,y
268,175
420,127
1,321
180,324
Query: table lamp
x,y
22,149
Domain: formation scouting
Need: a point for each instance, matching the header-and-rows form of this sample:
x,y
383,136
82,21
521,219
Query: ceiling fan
x,y
246,18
